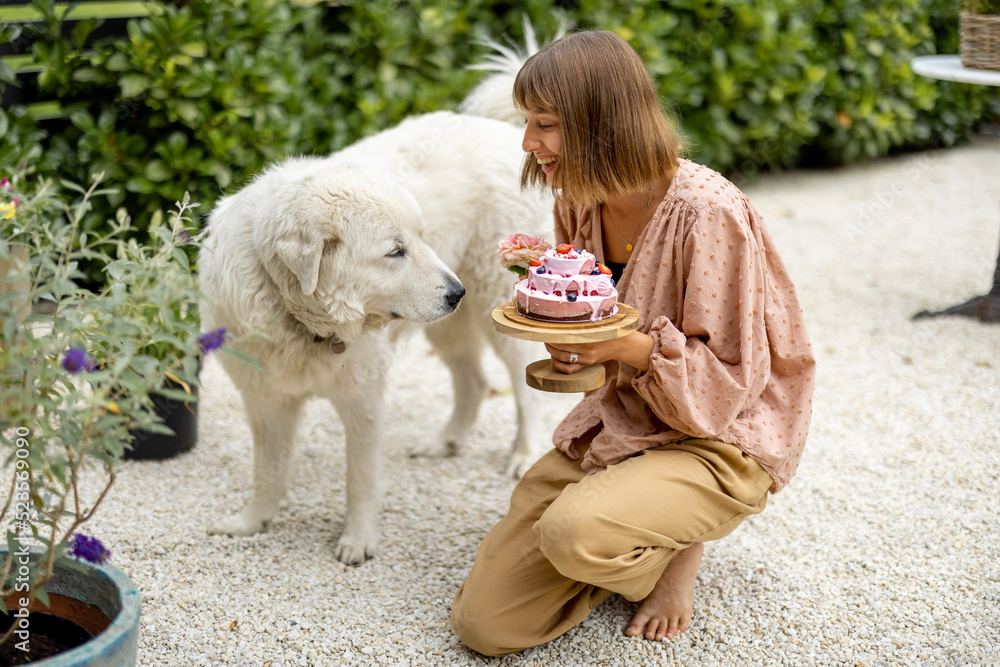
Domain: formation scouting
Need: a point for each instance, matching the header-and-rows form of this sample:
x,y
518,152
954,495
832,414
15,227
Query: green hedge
x,y
788,83
207,93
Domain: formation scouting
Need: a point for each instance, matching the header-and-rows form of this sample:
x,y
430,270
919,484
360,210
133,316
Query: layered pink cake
x,y
566,285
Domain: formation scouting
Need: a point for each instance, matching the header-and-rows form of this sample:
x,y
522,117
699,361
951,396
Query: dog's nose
x,y
454,295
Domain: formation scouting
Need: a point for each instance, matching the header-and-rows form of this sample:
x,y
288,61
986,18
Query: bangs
x,y
533,89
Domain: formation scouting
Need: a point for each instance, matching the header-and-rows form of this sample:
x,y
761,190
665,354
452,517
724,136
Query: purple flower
x,y
5,183
89,549
212,340
184,236
76,359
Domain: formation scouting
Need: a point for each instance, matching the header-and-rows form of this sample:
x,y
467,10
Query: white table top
x,y
949,68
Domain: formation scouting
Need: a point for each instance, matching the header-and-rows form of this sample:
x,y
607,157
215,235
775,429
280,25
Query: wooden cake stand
x,y
540,374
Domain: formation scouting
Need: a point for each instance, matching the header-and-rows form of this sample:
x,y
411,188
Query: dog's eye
x,y
397,253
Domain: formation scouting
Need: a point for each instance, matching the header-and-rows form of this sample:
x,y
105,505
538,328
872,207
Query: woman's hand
x,y
633,349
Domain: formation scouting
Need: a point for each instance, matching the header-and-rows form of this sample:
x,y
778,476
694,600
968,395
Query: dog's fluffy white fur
x,y
319,255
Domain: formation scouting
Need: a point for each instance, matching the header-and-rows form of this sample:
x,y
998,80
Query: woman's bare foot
x,y
667,611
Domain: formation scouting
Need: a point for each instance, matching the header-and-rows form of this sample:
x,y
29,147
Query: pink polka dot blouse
x,y
731,361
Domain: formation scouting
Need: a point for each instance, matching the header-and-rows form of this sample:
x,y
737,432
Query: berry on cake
x,y
566,285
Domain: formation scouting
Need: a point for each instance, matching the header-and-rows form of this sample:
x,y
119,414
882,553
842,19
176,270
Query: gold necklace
x,y
628,243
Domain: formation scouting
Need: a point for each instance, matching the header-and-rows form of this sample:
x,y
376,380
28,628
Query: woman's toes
x,y
677,626
637,625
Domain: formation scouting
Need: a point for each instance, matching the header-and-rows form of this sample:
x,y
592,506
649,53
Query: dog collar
x,y
337,346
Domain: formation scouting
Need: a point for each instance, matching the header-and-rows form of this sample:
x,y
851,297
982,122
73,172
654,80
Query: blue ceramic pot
x,y
91,596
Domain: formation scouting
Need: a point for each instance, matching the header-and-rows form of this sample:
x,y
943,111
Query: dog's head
x,y
343,245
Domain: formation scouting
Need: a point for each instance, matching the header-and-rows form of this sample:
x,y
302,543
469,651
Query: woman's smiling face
x,y
543,139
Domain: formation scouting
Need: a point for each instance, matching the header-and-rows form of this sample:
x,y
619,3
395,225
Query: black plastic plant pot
x,y
180,417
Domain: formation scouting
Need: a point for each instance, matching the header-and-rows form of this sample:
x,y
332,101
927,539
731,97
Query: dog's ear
x,y
289,235
301,252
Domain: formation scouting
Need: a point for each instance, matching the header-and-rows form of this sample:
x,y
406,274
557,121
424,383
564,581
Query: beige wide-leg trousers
x,y
570,540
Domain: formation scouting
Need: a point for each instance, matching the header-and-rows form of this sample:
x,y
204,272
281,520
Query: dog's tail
x,y
493,97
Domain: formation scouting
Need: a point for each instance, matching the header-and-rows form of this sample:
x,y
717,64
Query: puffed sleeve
x,y
704,374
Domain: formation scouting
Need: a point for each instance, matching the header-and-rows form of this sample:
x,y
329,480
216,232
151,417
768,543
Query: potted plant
x,y
979,32
177,408
76,377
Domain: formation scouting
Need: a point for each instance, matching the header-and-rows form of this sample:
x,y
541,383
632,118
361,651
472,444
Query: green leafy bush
x,y
982,6
788,83
205,94
191,100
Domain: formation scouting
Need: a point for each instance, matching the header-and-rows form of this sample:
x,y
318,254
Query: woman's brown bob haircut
x,y
615,138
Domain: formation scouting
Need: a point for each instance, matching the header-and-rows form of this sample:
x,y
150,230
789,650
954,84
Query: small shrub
x,y
78,369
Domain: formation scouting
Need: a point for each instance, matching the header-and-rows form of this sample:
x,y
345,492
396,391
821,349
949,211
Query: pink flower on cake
x,y
517,250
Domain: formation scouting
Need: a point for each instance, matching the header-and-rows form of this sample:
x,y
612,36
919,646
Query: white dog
x,y
321,253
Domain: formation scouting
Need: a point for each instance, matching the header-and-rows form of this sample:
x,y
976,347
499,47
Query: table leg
x,y
984,308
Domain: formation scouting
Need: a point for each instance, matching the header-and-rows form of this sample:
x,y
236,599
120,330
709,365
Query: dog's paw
x,y
238,525
355,551
437,450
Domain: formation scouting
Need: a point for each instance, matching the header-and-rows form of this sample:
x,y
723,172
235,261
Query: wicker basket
x,y
980,36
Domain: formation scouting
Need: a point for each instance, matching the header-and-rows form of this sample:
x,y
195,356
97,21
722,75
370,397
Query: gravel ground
x,y
884,550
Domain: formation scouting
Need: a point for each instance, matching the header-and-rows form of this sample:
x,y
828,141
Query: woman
x,y
707,404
